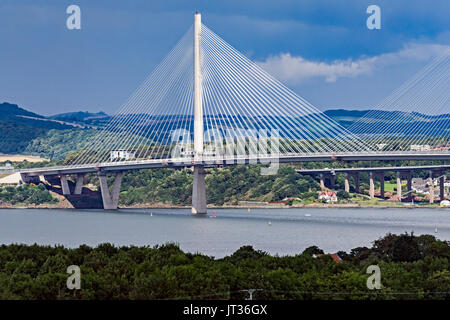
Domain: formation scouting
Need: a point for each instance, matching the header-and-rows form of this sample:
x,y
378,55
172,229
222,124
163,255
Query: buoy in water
x,y
151,214
248,210
270,223
214,214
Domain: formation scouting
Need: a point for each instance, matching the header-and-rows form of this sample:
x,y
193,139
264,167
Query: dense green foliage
x,y
82,117
17,129
26,194
15,137
230,184
57,144
421,271
27,164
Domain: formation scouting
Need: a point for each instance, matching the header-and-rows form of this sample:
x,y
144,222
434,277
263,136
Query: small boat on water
x,y
307,215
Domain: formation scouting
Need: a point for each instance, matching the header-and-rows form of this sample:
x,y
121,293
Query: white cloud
x,y
296,69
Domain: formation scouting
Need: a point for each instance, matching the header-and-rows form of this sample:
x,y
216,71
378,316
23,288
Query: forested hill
x,y
10,111
19,127
83,117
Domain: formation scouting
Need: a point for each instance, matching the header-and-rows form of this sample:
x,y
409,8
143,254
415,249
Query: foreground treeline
x,y
411,268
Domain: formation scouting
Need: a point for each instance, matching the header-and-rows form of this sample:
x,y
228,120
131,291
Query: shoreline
x,y
298,206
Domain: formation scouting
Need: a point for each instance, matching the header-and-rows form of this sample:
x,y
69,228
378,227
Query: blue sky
x,y
320,49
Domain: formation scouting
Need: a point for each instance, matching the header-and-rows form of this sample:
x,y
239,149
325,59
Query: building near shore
x,y
327,196
122,154
420,147
419,185
333,256
7,168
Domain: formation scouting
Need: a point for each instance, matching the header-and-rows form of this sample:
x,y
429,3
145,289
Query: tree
x,y
405,248
312,250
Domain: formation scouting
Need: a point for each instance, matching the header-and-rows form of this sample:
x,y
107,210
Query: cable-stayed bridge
x,y
207,105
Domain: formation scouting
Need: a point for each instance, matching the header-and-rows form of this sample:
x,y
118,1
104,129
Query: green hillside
x,y
83,117
19,127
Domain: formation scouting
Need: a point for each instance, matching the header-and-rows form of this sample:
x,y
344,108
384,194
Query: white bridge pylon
x,y
206,98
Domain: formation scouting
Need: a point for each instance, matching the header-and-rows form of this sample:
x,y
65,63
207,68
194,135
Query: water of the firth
x,y
277,231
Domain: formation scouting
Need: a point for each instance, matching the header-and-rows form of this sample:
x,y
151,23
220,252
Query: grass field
x,y
4,174
392,186
19,157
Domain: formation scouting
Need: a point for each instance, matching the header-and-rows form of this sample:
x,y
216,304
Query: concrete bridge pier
x,y
431,186
64,185
110,201
199,191
371,185
372,176
332,179
355,176
322,182
409,184
441,186
356,179
399,186
79,184
381,176
408,175
346,183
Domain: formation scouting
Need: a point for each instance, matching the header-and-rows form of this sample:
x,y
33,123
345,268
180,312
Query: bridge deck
x,y
225,161
373,169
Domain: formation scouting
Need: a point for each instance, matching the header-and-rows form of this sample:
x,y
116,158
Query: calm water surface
x,y
277,231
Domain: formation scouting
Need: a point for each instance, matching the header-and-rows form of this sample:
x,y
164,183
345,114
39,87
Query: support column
x,y
356,178
322,182
431,187
110,202
116,188
409,184
198,108
199,191
198,187
381,176
371,186
442,186
347,184
332,181
64,185
79,184
399,186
